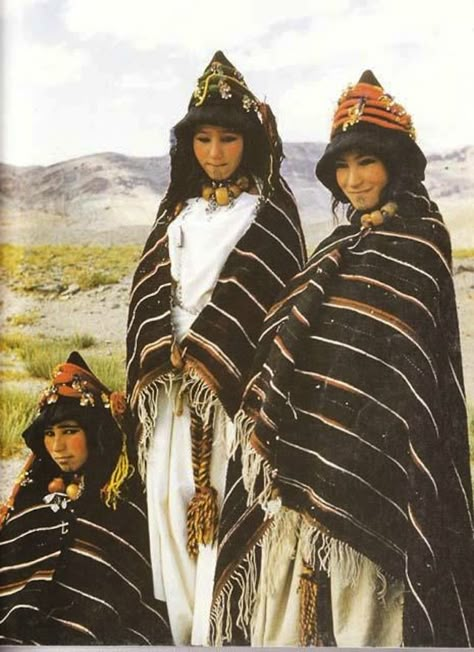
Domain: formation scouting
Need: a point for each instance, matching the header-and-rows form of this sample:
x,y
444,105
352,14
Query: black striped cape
x,y
222,340
360,419
78,576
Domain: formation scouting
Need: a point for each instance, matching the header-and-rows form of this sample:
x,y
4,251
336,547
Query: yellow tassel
x,y
176,356
308,590
123,470
202,519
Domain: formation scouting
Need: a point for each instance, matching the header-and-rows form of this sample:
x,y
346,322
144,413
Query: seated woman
x,y
360,417
74,554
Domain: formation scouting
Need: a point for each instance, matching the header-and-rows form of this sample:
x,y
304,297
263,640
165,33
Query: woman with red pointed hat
x,y
226,240
74,551
359,448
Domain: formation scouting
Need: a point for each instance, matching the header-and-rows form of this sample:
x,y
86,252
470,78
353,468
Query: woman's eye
x,y
366,161
229,139
202,139
48,433
340,165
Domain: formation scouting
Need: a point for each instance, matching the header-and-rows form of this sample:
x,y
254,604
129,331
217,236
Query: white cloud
x,y
29,62
44,65
139,81
185,24
16,8
300,54
33,72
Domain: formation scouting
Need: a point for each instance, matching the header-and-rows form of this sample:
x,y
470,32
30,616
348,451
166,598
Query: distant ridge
x,y
111,197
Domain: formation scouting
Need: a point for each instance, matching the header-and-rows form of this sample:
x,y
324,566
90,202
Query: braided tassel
x,y
122,471
202,516
308,590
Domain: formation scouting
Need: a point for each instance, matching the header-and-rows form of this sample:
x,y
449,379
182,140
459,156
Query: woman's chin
x,y
218,177
219,173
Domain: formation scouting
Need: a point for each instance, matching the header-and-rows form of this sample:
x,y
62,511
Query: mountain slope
x,y
113,198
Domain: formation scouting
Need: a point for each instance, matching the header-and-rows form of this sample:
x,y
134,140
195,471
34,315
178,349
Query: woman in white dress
x,y
226,240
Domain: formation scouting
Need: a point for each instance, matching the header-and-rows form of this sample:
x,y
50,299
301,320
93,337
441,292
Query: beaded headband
x,y
72,381
221,80
366,102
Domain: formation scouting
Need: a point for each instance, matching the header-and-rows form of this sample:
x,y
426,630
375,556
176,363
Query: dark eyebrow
x,y
63,424
225,130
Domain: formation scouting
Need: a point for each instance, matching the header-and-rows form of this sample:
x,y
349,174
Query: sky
x,y
86,76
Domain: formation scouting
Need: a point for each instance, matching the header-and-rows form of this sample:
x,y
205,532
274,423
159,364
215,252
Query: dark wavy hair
x,y
401,178
187,176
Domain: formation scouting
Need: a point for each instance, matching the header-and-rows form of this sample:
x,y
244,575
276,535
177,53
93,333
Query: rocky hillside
x,y
112,198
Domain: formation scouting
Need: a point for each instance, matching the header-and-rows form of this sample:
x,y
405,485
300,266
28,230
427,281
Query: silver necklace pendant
x,y
211,207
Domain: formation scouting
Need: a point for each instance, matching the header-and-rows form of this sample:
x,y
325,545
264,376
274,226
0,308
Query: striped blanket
x,y
359,424
77,574
222,340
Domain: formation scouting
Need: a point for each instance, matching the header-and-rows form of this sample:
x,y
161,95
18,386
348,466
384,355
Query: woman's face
x,y
362,178
218,150
66,443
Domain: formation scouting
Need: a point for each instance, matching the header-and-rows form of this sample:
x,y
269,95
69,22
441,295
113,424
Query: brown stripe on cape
x,y
359,408
222,340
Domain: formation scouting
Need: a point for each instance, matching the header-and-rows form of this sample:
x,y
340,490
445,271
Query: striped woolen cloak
x,y
360,420
222,340
80,575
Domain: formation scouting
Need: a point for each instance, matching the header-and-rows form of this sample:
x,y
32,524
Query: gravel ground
x,y
102,312
9,469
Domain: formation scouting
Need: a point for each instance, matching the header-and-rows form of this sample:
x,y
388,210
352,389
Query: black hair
x,y
104,440
187,176
401,178
403,159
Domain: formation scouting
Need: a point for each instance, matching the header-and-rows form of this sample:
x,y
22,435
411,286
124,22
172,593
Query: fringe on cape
x,y
288,530
178,387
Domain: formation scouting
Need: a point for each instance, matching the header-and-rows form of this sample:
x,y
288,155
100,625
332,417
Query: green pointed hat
x,y
222,98
222,82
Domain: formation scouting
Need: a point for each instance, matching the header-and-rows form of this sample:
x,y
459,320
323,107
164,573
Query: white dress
x,y
199,244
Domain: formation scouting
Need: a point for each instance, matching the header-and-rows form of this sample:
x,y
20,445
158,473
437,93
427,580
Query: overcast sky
x,y
87,76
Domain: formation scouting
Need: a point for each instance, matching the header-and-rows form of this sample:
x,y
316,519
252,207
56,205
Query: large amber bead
x,y
222,196
207,192
73,491
56,485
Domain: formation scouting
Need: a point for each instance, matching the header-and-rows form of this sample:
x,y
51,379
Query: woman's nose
x,y
58,442
353,176
215,149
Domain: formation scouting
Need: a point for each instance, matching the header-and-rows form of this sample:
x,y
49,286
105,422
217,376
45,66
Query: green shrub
x,y
463,253
40,355
109,368
14,341
24,318
17,409
81,341
89,279
31,268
